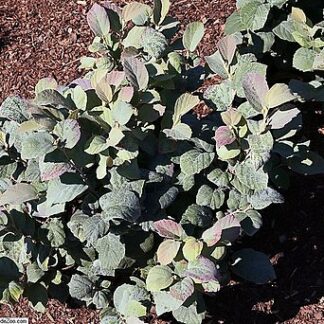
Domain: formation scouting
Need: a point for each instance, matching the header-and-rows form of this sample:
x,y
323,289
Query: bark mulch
x,y
41,38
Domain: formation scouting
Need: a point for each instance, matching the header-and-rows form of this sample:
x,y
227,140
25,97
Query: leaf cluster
x,y
115,194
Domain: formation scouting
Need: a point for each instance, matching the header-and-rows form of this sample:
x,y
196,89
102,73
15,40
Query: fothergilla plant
x,y
115,194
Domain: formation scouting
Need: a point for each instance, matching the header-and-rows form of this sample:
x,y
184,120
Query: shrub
x,y
114,194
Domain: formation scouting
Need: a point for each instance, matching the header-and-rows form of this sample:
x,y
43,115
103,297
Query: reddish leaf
x,y
224,136
169,229
227,228
202,270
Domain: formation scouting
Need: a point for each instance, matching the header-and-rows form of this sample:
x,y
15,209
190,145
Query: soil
x,y
41,38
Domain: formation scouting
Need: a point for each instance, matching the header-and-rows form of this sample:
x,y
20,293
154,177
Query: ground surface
x,y
40,38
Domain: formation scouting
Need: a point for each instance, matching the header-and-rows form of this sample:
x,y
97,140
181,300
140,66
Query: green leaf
x,y
192,249
237,200
80,287
219,178
160,10
278,95
65,189
183,105
287,29
277,3
111,251
96,145
261,145
79,97
219,252
54,231
15,291
254,15
217,64
251,221
167,251
128,300
191,314
122,112
253,266
154,43
87,228
136,73
165,302
193,34
265,198
15,109
255,88
98,20
197,215
194,161
303,59
34,272
251,177
134,37
122,204
158,278
68,132
18,193
208,197
138,12
286,122
100,299
234,24
45,83
179,132
51,97
35,145
221,95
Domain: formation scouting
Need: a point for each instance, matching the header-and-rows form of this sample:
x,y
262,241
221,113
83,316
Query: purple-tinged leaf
x,y
227,48
183,289
115,78
98,20
50,170
255,88
169,229
136,73
83,83
114,14
227,228
68,132
224,136
18,194
202,270
126,94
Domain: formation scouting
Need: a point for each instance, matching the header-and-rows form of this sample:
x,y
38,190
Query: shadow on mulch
x,y
292,235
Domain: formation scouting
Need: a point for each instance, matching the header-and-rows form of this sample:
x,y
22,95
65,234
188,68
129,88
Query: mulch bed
x,y
41,38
